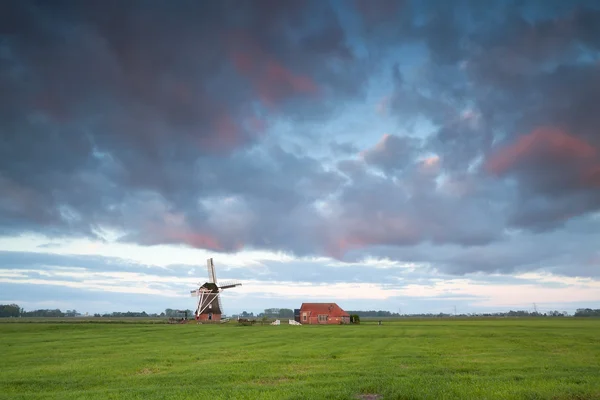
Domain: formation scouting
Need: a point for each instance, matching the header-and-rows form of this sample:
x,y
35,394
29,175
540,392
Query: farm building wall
x,y
330,320
204,317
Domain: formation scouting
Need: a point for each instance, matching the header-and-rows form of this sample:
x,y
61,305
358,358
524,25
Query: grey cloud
x,y
392,152
31,297
48,262
344,148
571,252
515,76
144,107
45,266
156,120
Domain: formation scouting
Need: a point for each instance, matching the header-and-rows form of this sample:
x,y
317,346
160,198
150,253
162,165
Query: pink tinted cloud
x,y
379,147
199,240
272,81
228,126
276,83
227,133
230,133
552,152
545,144
591,176
341,246
372,228
194,239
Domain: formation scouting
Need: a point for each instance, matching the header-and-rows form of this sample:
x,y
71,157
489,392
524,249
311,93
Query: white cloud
x,y
414,283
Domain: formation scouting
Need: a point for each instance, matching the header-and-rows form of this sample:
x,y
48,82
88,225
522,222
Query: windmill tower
x,y
209,296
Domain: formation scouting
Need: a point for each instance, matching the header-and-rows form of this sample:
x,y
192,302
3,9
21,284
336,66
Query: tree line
x,y
581,312
14,310
587,312
282,313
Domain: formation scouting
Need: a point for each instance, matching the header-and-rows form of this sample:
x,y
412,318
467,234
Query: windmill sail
x,y
219,303
229,284
212,276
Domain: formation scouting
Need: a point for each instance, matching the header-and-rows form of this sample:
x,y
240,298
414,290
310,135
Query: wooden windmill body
x,y
209,306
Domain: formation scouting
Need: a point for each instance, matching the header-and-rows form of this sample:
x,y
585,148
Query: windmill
x,y
209,296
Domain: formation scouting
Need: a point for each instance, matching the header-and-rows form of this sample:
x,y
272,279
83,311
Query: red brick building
x,y
323,313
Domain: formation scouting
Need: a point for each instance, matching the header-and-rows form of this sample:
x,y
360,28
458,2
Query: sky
x,y
410,156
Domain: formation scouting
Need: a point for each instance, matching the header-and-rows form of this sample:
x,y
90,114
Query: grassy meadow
x,y
409,359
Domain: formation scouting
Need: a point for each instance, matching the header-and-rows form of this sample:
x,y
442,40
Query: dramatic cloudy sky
x,y
413,155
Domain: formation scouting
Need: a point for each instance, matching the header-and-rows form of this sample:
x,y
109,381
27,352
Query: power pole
x,y
455,311
535,308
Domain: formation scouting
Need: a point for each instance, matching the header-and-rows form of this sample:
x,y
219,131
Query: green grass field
x,y
410,359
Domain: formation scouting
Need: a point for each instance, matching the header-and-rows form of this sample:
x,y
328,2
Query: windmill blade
x,y
219,301
212,276
229,285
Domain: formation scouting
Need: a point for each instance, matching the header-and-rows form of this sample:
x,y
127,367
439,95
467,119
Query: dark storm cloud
x,y
159,120
115,107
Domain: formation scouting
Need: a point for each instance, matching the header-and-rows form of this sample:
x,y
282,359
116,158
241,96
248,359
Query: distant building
x,y
323,313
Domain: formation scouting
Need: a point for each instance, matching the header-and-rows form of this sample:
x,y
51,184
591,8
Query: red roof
x,y
331,309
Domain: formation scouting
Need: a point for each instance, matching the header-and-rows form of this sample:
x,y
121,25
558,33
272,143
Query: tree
x,y
9,310
286,313
587,312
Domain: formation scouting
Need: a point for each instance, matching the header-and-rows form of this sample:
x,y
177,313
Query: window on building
x,y
304,317
322,318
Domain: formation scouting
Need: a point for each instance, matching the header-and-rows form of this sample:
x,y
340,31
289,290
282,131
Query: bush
x,y
354,319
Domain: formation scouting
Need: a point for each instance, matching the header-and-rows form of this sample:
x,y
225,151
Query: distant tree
x,y
286,313
587,312
72,313
43,313
9,310
270,312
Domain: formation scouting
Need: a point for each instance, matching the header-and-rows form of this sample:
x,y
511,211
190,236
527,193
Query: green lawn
x,y
412,359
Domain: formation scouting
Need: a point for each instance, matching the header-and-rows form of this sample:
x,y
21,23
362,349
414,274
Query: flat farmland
x,y
409,359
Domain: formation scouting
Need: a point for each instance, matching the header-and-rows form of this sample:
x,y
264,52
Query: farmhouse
x,y
323,313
